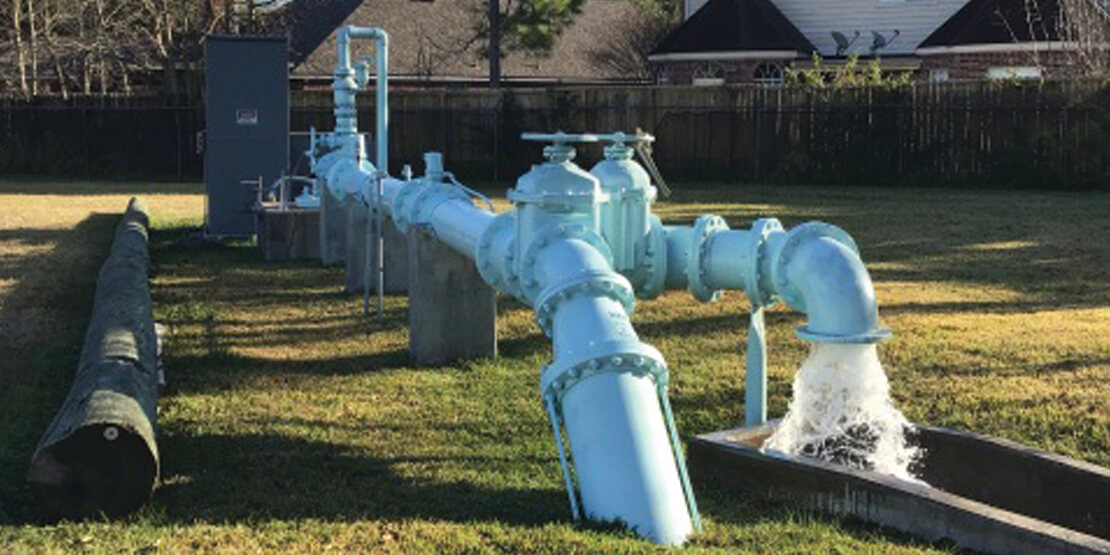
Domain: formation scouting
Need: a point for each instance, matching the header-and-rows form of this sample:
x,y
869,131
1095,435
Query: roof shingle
x,y
735,25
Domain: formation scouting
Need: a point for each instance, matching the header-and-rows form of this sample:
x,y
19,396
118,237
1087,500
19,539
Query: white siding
x,y
915,19
693,6
817,19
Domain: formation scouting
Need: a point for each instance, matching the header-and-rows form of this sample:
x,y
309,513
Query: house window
x,y
1014,72
938,75
709,75
662,75
768,75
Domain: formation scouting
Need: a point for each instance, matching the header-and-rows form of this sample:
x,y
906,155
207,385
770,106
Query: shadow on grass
x,y
42,325
222,478
738,508
34,185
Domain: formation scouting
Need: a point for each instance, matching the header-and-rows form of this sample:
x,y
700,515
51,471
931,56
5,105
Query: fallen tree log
x,y
99,455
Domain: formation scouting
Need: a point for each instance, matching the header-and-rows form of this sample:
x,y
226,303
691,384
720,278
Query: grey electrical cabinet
x,y
246,126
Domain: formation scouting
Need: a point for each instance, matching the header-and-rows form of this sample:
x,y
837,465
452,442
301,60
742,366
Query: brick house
x,y
754,41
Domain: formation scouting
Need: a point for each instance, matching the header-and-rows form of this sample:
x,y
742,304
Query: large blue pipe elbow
x,y
826,279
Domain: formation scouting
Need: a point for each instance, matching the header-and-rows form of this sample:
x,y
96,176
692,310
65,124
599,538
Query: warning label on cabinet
x,y
246,116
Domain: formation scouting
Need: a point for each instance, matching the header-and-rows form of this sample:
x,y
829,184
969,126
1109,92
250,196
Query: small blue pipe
x,y
558,435
755,370
680,460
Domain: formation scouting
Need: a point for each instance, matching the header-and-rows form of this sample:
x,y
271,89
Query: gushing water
x,y
842,413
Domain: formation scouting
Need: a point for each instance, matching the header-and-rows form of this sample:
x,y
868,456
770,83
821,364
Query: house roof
x,y
434,39
999,21
898,25
735,26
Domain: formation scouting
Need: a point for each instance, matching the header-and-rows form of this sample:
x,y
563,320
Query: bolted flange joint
x,y
529,285
595,283
762,229
402,200
416,206
696,272
653,268
498,274
638,359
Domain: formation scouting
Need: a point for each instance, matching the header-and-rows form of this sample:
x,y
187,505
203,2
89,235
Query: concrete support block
x,y
452,311
289,235
396,259
355,259
396,254
333,229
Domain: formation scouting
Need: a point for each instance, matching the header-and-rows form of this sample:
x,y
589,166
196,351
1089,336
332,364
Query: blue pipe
x,y
345,87
578,249
553,258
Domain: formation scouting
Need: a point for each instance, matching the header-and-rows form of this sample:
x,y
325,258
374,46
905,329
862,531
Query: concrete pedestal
x,y
452,311
292,234
355,258
333,229
396,254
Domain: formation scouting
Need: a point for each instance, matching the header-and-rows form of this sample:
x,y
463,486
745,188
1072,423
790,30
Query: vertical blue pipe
x,y
382,102
755,378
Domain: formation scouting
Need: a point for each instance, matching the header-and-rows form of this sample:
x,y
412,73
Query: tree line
x,y
101,47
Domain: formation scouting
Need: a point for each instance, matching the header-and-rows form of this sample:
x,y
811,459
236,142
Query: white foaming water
x,y
842,413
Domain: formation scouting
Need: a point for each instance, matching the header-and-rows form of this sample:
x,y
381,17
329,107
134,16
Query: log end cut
x,y
99,470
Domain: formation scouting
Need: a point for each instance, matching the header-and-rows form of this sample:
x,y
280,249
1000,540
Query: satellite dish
x,y
878,41
842,42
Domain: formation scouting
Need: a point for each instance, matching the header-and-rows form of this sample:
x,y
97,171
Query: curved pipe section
x,y
814,268
827,280
608,390
345,87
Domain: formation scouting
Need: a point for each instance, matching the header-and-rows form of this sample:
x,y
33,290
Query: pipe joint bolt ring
x,y
696,272
606,284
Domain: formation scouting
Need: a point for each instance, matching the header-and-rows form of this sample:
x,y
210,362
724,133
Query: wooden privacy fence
x,y
1053,134
101,137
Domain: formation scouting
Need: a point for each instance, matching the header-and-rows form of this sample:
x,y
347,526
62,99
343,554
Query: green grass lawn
x,y
293,424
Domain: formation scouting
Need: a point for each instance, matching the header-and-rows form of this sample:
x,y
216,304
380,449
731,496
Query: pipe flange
x,y
880,333
431,197
642,360
401,201
512,280
529,285
487,268
654,265
601,283
696,275
796,236
761,231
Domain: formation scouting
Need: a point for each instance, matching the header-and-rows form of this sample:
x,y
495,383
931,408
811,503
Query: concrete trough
x,y
988,494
